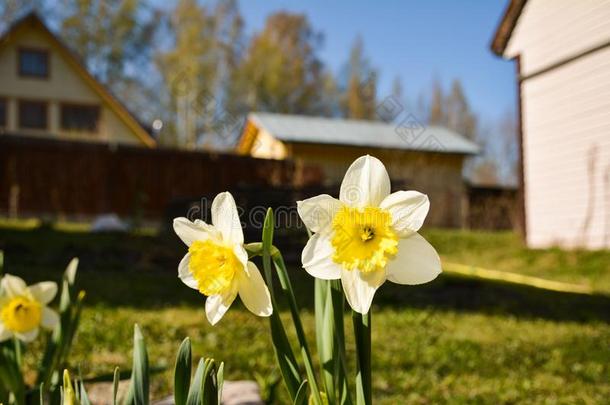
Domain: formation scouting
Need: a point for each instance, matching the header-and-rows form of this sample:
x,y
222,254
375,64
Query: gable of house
x,y
46,91
547,33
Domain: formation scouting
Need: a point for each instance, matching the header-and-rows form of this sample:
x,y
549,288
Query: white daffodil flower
x,y
217,264
368,235
23,309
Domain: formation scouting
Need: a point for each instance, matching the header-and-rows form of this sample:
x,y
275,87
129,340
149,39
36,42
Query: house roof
x,y
410,135
507,25
33,20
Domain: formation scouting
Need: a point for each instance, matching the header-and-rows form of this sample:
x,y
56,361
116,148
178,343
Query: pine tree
x,y
459,117
359,98
397,89
281,71
397,99
437,109
452,110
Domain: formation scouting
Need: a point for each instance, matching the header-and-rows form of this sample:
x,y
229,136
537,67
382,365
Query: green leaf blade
x,y
182,373
195,395
140,372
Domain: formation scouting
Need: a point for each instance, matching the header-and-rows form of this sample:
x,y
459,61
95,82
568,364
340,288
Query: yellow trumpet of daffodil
x,y
217,264
368,235
23,309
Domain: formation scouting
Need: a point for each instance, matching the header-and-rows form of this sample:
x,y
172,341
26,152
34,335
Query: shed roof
x,y
409,135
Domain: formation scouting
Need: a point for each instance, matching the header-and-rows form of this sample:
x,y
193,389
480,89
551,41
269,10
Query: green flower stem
x,y
286,286
281,345
10,373
330,336
256,249
340,359
60,342
322,341
325,332
362,333
18,352
282,273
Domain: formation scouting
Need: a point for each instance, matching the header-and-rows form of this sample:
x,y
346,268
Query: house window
x,y
33,115
79,117
2,113
33,63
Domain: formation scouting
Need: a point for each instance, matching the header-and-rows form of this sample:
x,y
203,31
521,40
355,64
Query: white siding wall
x,y
566,122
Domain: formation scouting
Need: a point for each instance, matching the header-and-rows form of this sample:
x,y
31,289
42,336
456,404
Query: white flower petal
x,y
13,286
408,209
185,274
5,334
241,254
317,258
190,232
71,270
360,288
44,292
415,263
27,336
50,319
226,218
317,213
366,183
217,305
254,292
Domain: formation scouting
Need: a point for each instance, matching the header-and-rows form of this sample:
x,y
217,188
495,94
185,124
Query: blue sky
x,y
416,40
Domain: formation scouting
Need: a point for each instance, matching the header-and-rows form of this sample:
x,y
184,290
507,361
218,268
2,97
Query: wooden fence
x,y
79,180
82,179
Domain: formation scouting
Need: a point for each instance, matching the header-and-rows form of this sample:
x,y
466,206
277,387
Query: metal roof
x,y
410,134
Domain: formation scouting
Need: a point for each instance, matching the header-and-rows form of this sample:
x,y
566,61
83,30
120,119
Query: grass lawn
x,y
456,340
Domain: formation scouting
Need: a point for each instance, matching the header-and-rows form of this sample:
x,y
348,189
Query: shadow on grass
x,y
140,271
460,293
